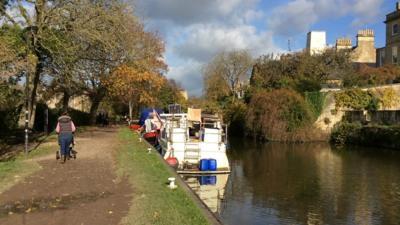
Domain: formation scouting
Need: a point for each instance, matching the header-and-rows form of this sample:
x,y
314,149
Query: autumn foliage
x,y
386,74
135,87
280,115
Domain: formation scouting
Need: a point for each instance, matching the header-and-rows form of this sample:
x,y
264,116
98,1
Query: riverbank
x,y
153,203
113,181
367,135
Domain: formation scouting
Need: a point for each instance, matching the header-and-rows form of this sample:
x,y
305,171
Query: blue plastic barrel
x,y
212,180
207,180
212,164
204,165
202,180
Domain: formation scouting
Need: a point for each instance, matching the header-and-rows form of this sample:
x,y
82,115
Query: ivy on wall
x,y
316,100
357,99
388,98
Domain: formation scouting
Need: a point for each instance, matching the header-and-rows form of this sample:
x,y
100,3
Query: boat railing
x,y
180,121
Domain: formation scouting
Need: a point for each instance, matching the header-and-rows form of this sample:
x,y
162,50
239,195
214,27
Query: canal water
x,y
304,184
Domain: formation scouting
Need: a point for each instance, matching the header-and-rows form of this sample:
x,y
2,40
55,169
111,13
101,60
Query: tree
x,y
226,73
119,39
170,93
45,32
12,51
74,46
134,87
300,71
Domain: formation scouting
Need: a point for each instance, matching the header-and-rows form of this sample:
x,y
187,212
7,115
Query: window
x,y
394,54
395,29
381,57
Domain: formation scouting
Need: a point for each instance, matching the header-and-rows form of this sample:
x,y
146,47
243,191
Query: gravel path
x,y
82,191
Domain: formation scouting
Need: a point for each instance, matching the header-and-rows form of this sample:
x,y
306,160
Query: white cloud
x,y
204,41
363,9
195,30
188,74
191,11
297,16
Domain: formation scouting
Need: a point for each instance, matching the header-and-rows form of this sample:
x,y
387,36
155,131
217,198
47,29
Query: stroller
x,y
72,152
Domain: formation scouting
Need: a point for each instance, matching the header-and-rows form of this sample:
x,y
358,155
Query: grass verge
x,y
153,203
11,172
14,170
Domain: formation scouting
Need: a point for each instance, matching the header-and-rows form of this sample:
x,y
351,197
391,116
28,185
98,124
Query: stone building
x,y
364,51
316,42
343,44
80,103
389,53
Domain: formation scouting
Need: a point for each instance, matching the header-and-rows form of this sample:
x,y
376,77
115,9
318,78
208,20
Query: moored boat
x,y
196,140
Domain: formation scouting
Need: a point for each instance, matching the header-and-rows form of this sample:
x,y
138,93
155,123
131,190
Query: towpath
x,y
82,191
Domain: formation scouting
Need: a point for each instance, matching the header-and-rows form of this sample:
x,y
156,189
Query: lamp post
x,y
26,111
28,36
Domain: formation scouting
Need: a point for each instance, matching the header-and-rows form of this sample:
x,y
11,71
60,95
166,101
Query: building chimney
x,y
343,43
366,33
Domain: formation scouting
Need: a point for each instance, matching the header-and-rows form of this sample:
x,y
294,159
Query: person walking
x,y
65,129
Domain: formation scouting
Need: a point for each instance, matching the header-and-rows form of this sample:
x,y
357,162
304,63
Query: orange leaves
x,y
132,85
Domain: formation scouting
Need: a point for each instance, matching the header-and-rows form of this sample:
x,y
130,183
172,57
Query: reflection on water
x,y
210,189
311,184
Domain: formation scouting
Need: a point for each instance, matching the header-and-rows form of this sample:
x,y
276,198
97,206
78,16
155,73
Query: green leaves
x,y
356,99
300,71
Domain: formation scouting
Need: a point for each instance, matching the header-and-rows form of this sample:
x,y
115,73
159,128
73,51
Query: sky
x,y
194,31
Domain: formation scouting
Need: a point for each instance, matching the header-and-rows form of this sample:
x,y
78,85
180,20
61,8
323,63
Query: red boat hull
x,y
135,127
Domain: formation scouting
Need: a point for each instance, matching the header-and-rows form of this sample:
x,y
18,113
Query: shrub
x,y
279,115
9,118
11,101
235,115
378,136
345,132
80,118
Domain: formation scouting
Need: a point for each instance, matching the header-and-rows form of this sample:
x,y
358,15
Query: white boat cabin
x,y
191,138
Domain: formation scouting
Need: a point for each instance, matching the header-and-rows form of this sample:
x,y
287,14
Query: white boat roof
x,y
173,114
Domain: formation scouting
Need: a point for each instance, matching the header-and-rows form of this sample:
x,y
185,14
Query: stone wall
x,y
380,117
80,103
330,116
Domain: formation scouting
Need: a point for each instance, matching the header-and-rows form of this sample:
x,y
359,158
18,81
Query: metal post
x,y
226,137
46,120
26,112
26,131
27,105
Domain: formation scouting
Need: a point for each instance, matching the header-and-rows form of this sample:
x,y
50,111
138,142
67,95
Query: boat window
x,y
194,130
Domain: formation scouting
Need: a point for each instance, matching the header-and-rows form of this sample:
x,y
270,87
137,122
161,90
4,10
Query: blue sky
x,y
195,30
